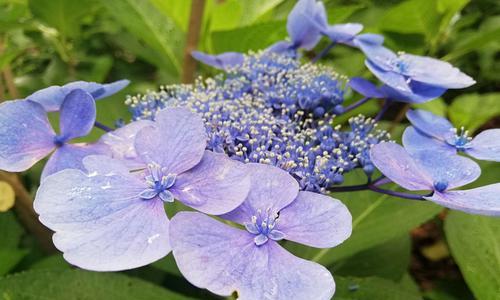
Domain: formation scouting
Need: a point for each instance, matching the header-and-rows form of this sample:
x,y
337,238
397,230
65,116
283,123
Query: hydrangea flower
x,y
440,173
406,74
275,111
301,27
224,259
51,98
434,132
112,218
26,135
221,61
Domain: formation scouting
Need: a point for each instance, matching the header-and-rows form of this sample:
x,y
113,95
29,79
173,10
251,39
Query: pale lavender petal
x,y
221,61
420,93
25,135
395,163
343,32
216,185
315,220
224,259
392,79
102,164
78,114
377,54
70,156
454,170
301,25
414,142
482,200
271,189
100,222
51,98
435,72
430,124
365,88
121,142
486,145
369,39
177,142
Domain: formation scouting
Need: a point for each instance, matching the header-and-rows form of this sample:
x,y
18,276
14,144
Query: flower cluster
x,y
255,146
271,109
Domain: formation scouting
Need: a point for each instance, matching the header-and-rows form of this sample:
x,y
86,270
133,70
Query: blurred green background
x,y
48,42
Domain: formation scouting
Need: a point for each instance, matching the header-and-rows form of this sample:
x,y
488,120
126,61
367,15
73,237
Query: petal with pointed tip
x,y
365,88
315,220
216,185
25,135
177,141
395,163
224,259
392,79
486,145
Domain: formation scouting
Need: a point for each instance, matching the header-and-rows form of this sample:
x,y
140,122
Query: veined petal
x,y
315,220
392,79
100,222
221,61
70,156
177,142
25,135
414,142
395,163
486,145
216,185
224,259
78,114
270,189
482,200
430,124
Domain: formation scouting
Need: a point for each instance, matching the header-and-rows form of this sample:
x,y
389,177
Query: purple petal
x,y
430,124
436,72
483,200
395,163
100,222
102,164
315,220
378,55
271,189
280,47
392,79
70,156
414,142
51,98
121,142
369,39
221,61
486,145
420,93
224,259
216,185
25,135
177,142
343,32
78,113
454,170
365,88
303,21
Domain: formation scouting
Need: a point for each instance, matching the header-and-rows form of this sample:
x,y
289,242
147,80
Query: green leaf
x,y
253,37
389,260
63,15
340,13
146,23
372,288
436,106
473,110
80,285
10,254
475,244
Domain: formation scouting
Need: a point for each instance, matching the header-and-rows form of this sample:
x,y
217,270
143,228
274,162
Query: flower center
x,y
158,183
460,139
59,140
440,186
263,226
399,65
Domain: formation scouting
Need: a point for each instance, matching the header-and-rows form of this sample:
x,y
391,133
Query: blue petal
x,y
414,142
486,145
430,124
302,23
25,135
276,235
281,47
78,112
365,88
392,79
420,93
167,197
51,98
380,56
342,33
148,194
252,228
369,39
482,200
221,61
260,240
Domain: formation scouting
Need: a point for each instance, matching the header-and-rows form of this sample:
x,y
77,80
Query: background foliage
x,y
389,256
